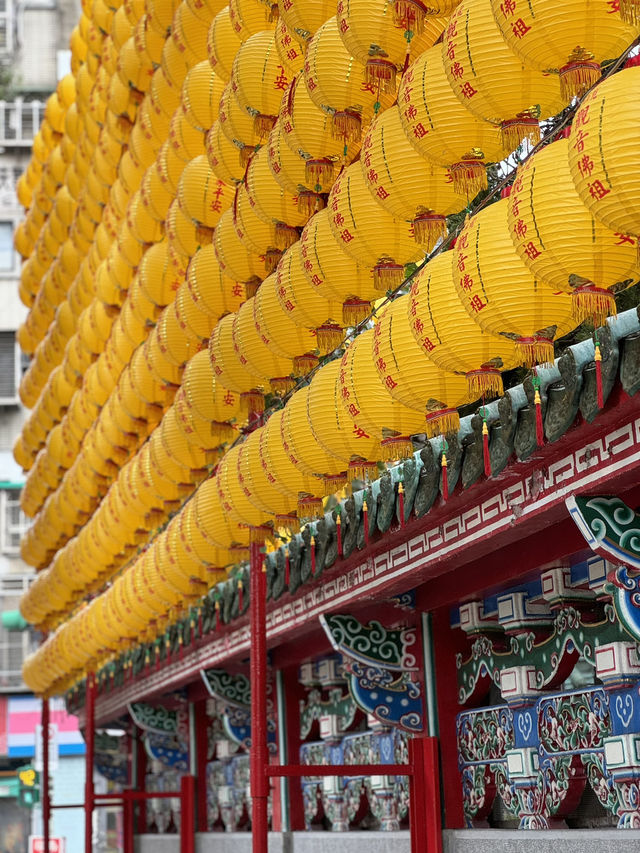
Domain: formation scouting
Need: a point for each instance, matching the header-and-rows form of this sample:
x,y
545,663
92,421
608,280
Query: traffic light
x,y
29,791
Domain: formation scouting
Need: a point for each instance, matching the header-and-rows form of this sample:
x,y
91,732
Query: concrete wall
x,y
455,841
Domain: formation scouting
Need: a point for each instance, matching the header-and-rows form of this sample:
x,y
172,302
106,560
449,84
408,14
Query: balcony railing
x,y
19,122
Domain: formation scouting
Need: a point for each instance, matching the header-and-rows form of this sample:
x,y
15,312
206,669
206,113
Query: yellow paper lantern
x,y
403,184
251,16
441,129
449,336
383,35
571,39
202,196
234,258
213,292
370,406
222,44
290,48
335,274
258,80
201,93
600,154
224,156
517,97
336,84
501,294
255,349
410,377
278,330
566,247
231,368
367,233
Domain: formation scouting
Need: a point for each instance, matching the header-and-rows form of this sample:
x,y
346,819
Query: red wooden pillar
x,y
447,643
259,755
201,746
139,784
187,814
289,731
90,706
46,793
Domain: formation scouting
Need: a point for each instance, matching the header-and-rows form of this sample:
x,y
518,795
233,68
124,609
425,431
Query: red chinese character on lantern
x,y
217,369
381,363
614,6
451,51
467,90
582,117
452,30
372,176
289,305
382,193
340,8
515,205
315,279
288,127
354,411
597,190
411,112
624,238
228,399
457,71
216,203
338,219
346,236
388,381
581,135
406,95
308,265
586,166
461,259
237,289
476,303
520,229
466,281
519,28
359,432
281,82
531,251
463,241
428,344
517,186
292,54
419,130
344,26
508,7
418,325
368,87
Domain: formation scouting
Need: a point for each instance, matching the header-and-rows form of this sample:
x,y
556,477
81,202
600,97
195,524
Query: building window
x,y
7,254
14,645
13,522
6,26
9,366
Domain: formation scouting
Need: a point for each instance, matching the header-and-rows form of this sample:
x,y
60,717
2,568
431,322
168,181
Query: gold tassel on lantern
x,y
246,153
361,469
239,552
396,447
251,287
535,350
410,15
592,303
310,202
630,12
334,482
222,432
282,384
380,72
319,172
329,337
304,363
486,380
346,125
286,236
428,228
204,235
309,506
578,75
290,522
516,130
259,535
263,124
252,402
442,422
355,311
469,177
387,275
272,259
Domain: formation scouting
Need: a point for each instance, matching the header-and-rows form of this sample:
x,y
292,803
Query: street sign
x,y
53,747
56,845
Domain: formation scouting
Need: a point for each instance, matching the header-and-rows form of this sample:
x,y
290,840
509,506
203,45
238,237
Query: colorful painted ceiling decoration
x,y
232,313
